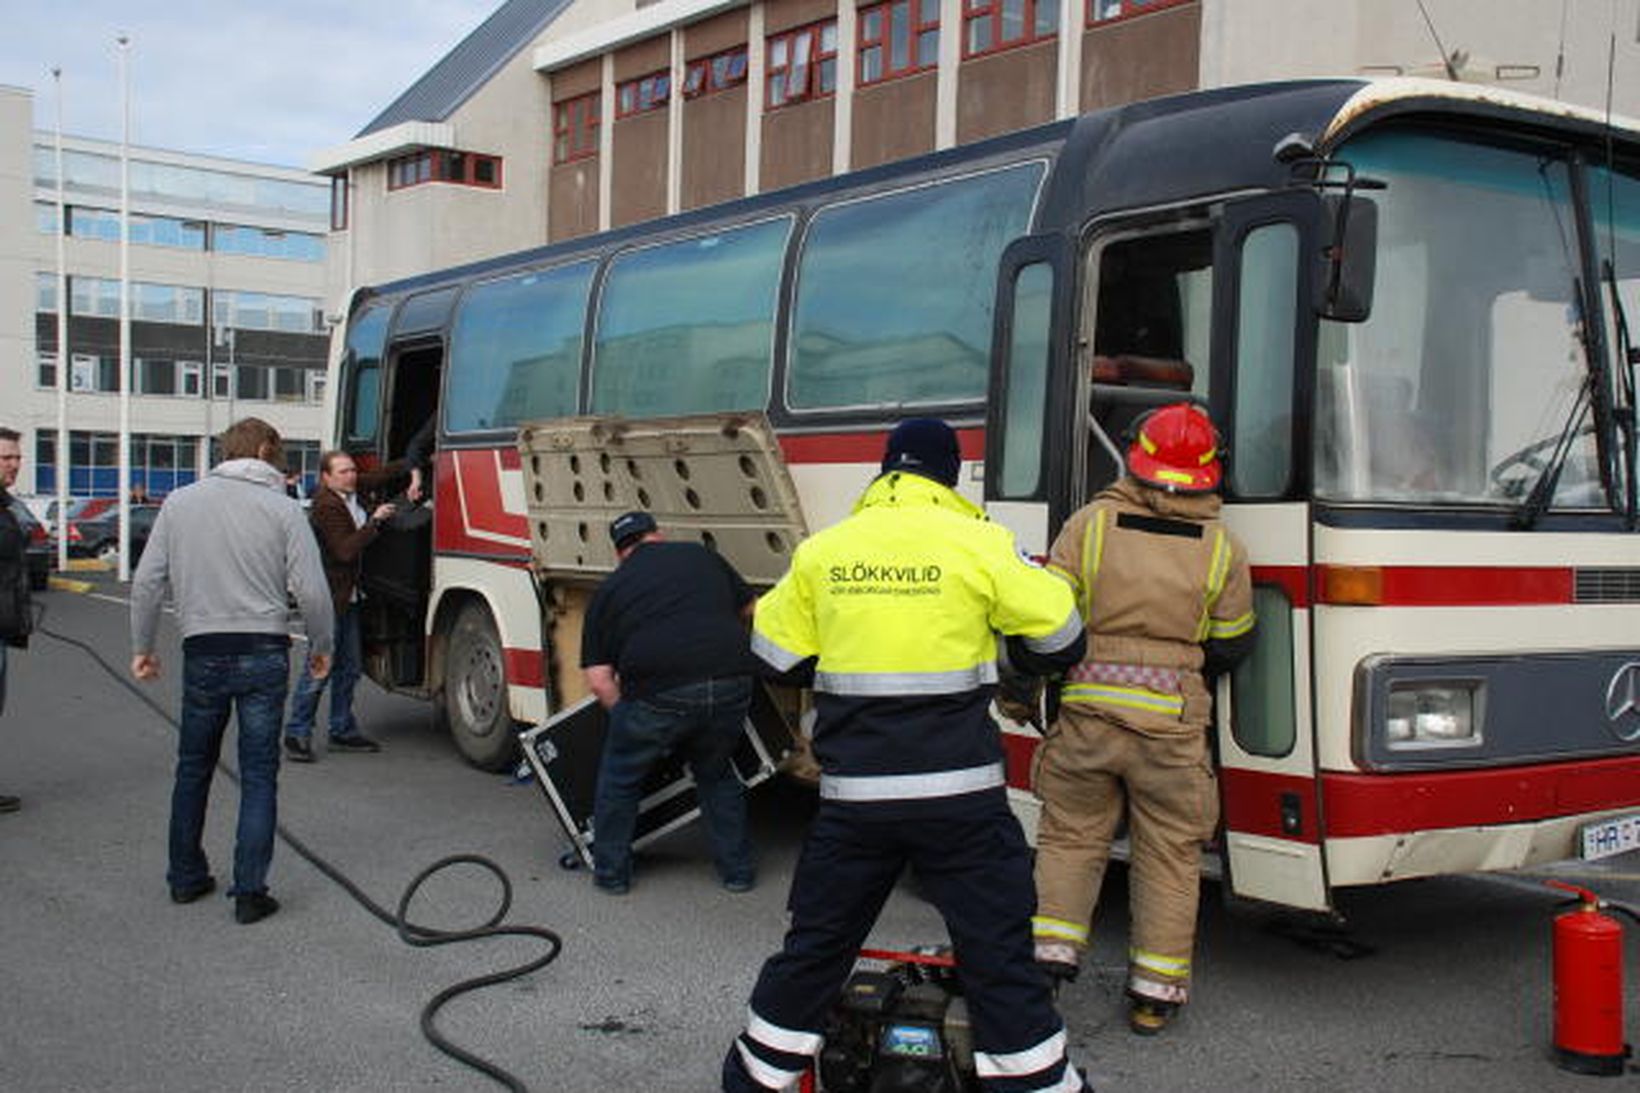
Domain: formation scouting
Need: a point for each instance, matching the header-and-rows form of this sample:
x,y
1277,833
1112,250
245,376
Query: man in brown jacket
x,y
344,529
1166,594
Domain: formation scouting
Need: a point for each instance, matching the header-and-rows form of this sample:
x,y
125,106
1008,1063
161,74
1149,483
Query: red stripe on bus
x,y
1361,805
1252,802
863,447
525,667
1293,580
1463,586
1426,586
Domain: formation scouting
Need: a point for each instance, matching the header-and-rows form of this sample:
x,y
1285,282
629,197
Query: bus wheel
x,y
475,691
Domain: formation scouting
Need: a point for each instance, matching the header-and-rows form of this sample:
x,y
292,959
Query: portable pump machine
x,y
902,1028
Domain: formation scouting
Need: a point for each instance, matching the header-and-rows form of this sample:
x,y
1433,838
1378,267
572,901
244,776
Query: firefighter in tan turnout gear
x,y
1165,591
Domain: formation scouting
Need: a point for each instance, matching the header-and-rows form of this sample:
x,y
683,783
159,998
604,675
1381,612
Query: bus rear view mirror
x,y
1349,257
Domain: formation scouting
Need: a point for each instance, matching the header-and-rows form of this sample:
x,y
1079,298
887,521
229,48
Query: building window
x,y
253,382
263,311
45,293
268,243
719,72
575,128
84,371
191,377
46,370
1103,11
221,381
156,377
994,25
444,165
802,64
338,203
646,93
899,38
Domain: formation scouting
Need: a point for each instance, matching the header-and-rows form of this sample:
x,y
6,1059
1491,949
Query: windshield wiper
x,y
1625,413
1537,500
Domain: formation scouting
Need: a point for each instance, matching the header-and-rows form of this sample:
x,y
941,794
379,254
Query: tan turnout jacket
x,y
1156,576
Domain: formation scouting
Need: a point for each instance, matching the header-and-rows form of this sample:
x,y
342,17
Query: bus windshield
x,y
1470,370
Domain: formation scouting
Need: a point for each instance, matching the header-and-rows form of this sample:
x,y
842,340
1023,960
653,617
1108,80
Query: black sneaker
x,y
298,749
10,804
353,741
191,892
253,908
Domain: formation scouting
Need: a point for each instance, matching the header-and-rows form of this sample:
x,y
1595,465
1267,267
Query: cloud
x,y
264,82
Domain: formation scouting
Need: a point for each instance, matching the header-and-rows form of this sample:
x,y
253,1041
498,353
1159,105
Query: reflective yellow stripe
x,y
1133,698
1231,628
1093,553
1059,929
1156,962
1218,571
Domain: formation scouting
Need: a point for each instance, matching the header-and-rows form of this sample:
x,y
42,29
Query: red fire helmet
x,y
1176,448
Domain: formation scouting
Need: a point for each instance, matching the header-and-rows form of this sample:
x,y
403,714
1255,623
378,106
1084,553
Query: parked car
x,y
99,536
38,544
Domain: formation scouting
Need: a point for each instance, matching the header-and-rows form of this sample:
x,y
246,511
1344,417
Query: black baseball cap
x,y
629,527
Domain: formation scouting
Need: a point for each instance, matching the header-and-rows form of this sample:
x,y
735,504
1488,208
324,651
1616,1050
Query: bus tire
x,y
475,702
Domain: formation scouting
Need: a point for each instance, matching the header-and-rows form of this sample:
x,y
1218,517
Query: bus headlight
x,y
1422,714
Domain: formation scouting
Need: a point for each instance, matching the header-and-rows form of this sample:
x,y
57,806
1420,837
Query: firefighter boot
x,y
1148,1016
1058,960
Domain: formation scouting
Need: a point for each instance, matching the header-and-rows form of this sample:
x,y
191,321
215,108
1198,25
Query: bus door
x,y
1267,272
397,570
1168,308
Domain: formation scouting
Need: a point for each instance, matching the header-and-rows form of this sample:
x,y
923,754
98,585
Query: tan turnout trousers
x,y
1088,772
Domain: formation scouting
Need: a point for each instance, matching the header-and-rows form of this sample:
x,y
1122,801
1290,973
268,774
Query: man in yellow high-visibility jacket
x,y
895,612
1166,592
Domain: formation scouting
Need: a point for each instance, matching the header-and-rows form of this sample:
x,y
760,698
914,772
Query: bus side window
x,y
365,403
896,292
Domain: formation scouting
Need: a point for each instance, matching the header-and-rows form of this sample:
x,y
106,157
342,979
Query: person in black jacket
x,y
665,649
16,612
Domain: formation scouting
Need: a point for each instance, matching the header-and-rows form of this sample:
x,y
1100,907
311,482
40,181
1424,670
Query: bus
x,y
1404,302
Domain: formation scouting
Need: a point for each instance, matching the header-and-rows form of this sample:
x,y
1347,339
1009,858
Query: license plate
x,y
1608,837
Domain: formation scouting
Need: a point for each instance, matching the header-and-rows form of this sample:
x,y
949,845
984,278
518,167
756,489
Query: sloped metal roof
x,y
470,64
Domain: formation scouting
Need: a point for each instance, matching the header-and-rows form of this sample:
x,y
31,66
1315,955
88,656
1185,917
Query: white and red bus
x,y
1405,303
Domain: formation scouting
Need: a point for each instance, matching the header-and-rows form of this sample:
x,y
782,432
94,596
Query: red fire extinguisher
x,y
1588,963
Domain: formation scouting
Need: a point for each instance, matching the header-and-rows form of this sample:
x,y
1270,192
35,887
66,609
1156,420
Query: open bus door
x,y
1268,271
1066,388
397,569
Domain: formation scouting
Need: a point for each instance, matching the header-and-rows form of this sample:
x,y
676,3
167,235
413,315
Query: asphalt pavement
x,y
106,985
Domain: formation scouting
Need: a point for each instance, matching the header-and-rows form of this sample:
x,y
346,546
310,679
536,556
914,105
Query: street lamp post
x,y
124,41
62,461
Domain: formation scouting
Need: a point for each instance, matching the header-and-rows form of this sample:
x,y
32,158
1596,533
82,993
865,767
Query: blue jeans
x,y
212,687
344,676
704,722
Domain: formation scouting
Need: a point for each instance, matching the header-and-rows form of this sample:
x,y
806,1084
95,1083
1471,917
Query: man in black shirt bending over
x,y
665,651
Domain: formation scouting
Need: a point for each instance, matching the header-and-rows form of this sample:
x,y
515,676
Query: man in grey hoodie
x,y
231,548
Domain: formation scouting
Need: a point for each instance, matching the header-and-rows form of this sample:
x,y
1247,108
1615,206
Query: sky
x,y
269,81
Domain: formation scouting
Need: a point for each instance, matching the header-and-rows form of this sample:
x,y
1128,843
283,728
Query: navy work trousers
x,y
970,857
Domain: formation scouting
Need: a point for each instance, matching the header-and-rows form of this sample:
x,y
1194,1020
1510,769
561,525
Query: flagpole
x,y
63,461
124,41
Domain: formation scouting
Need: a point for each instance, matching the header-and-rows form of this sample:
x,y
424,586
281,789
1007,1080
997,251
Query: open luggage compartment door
x,y
564,752
717,479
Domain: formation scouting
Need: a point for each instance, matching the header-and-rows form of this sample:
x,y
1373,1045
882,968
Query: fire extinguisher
x,y
1588,969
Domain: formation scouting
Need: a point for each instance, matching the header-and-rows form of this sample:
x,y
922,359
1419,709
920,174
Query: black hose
x,y
409,932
